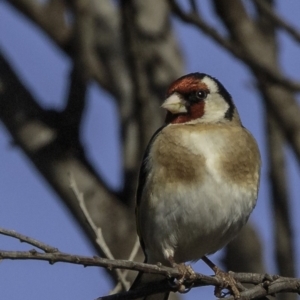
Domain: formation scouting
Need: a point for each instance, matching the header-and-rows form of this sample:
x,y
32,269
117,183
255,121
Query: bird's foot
x,y
184,283
228,283
227,279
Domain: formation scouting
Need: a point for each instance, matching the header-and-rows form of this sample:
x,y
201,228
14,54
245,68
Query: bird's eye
x,y
201,95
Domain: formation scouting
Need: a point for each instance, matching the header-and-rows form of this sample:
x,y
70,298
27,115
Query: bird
x,y
199,178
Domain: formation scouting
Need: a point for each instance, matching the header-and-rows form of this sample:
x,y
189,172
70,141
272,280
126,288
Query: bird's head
x,y
198,98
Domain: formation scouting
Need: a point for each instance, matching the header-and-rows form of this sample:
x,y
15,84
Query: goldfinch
x,y
199,177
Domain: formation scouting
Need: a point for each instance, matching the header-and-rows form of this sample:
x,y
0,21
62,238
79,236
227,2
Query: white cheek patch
x,y
211,85
215,105
215,108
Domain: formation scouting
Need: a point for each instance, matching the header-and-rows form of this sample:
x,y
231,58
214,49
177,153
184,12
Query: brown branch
x,y
262,289
95,261
233,49
28,240
153,60
265,284
49,17
194,6
83,32
280,285
71,116
98,232
280,199
280,202
83,39
108,65
275,94
132,256
83,65
56,159
51,20
278,20
243,30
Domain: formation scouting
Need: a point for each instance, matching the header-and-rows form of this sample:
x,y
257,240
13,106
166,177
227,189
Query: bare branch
x,y
153,61
98,232
71,116
283,238
238,52
278,20
28,240
194,6
262,289
49,17
95,261
265,284
280,199
281,285
276,94
83,39
151,54
55,159
132,256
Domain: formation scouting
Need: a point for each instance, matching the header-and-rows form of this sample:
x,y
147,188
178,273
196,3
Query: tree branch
x,y
99,236
262,30
278,20
276,95
95,261
50,17
153,61
233,49
265,284
280,199
28,124
28,240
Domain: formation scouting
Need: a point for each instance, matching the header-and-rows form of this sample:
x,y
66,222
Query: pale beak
x,y
174,104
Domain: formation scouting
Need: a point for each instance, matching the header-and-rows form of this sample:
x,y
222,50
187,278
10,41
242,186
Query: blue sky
x,y
29,206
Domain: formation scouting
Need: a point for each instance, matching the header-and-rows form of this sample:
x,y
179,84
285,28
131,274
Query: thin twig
x,y
98,232
79,197
168,272
265,284
263,288
96,261
28,240
132,255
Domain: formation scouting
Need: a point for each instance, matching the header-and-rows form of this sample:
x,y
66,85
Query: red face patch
x,y
187,86
196,111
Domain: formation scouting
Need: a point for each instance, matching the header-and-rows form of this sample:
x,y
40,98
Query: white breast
x,y
190,220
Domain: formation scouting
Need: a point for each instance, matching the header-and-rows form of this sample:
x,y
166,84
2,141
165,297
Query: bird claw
x,y
227,280
228,283
187,272
184,283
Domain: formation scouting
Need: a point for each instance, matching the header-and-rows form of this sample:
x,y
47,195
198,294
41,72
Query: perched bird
x,y
199,177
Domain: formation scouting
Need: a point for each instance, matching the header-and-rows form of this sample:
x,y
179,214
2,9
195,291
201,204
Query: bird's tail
x,y
143,279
